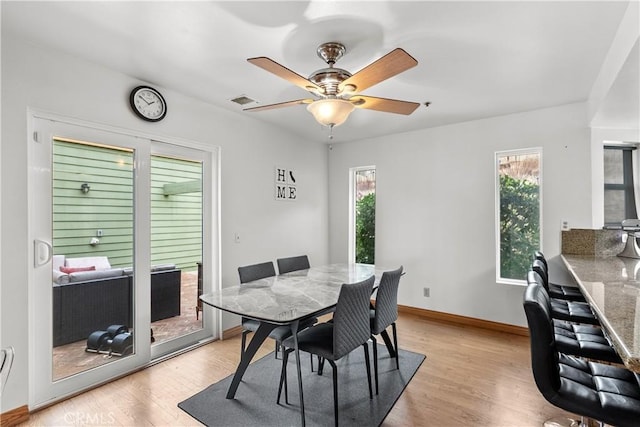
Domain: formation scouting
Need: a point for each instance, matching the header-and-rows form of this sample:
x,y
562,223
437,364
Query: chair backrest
x,y
249,273
351,319
294,263
539,255
386,301
544,356
534,278
540,268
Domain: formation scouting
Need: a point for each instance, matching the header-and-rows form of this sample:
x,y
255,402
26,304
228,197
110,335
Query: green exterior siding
x,y
176,219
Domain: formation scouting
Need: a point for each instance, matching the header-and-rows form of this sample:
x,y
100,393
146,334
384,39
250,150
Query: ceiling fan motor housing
x,y
329,79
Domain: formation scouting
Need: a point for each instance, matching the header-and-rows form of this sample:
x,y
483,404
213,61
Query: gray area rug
x,y
255,400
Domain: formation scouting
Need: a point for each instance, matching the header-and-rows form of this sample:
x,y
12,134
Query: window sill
x,y
503,281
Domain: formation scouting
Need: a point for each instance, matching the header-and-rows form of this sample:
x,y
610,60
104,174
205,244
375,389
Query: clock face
x,y
148,103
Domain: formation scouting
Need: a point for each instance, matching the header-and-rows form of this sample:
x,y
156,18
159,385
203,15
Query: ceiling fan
x,y
337,90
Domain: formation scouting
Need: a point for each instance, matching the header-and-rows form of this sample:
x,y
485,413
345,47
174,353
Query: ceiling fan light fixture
x,y
331,111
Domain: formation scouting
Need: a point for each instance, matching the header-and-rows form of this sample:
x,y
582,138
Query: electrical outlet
x,y
99,233
426,292
564,225
237,237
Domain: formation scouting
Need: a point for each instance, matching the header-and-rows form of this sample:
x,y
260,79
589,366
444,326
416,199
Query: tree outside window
x,y
518,212
365,215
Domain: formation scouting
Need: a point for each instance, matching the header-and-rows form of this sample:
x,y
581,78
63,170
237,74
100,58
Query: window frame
x,y
352,208
628,184
497,156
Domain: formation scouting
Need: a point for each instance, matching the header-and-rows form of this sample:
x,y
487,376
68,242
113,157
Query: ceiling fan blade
x,y
394,62
384,104
279,105
285,73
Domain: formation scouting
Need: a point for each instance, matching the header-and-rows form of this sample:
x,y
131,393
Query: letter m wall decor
x,y
285,185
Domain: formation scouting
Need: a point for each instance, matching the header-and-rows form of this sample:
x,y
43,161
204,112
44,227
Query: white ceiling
x,y
476,59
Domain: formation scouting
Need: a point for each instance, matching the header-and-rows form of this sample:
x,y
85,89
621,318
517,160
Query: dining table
x,y
288,299
611,286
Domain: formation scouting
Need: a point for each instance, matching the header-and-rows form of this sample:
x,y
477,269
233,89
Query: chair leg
x,y
283,378
335,391
368,363
311,361
320,365
275,351
395,344
375,360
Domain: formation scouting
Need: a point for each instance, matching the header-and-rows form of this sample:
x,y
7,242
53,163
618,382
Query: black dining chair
x,y
571,311
331,341
249,273
295,263
385,314
606,393
571,293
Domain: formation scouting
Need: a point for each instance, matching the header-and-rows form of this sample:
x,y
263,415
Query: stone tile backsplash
x,y
600,243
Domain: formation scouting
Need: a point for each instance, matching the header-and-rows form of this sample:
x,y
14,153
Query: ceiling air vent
x,y
243,100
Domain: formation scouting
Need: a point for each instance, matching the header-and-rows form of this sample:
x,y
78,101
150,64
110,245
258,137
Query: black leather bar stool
x,y
540,266
571,311
606,393
582,340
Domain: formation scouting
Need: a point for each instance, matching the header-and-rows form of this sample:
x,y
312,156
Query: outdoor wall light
x,y
85,188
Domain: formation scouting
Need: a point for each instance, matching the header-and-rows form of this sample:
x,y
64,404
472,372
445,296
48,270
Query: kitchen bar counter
x,y
611,285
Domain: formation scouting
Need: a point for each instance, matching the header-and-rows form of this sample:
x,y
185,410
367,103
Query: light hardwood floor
x,y
471,376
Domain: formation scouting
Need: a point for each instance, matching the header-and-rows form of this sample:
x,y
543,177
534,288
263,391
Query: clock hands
x,y
148,103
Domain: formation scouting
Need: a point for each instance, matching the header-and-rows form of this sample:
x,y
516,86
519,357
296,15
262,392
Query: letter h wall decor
x,y
285,185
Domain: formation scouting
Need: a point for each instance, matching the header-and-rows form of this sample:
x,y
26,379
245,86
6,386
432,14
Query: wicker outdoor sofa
x,y
89,295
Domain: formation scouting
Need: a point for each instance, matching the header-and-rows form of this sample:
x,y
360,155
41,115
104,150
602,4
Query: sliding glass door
x,y
180,215
118,225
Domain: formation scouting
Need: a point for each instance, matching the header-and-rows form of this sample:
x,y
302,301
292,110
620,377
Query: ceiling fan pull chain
x,y
331,131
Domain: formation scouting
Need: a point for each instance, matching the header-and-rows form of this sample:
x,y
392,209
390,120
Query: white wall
x,y
52,81
435,204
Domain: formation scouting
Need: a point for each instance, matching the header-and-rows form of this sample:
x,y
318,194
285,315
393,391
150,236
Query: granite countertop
x,y
612,286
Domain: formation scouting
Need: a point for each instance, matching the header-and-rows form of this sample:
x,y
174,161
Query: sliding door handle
x,y
42,253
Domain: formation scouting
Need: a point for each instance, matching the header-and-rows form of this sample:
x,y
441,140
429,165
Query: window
x,y
518,210
363,215
619,198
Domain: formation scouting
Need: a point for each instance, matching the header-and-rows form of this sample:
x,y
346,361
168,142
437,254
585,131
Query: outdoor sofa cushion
x,y
100,262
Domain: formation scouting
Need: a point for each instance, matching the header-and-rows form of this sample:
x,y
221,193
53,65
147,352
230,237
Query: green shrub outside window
x,y
519,226
366,229
519,212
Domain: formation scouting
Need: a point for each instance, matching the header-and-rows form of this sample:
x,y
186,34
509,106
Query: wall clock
x,y
148,103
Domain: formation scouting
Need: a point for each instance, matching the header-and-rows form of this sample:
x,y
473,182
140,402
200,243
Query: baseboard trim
x,y
464,320
432,315
231,332
14,416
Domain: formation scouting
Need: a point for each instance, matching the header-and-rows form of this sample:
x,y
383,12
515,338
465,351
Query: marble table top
x,y
611,285
291,296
